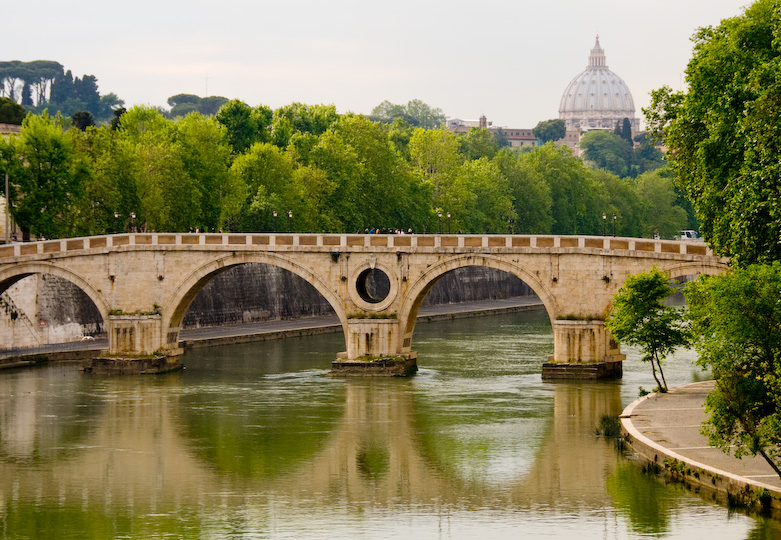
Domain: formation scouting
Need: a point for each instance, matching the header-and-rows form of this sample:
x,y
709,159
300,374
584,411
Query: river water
x,y
253,441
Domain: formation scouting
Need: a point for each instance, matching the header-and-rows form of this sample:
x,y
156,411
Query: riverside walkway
x,y
665,429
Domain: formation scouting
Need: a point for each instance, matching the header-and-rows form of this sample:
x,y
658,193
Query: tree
x,y
577,199
82,120
639,317
723,133
11,112
661,215
245,126
44,180
736,321
477,143
416,113
609,151
531,195
550,130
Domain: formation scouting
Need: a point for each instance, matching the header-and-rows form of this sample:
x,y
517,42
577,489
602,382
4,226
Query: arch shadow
x,y
413,298
184,294
10,276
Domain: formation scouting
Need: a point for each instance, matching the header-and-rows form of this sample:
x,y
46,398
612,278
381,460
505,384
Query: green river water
x,y
253,441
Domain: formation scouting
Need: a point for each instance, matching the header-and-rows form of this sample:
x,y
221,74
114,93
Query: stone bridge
x,y
143,284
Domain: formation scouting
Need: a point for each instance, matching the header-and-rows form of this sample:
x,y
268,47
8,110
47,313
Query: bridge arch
x,y
690,269
414,296
184,294
10,276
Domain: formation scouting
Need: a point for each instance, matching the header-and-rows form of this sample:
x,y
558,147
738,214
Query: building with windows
x,y
516,137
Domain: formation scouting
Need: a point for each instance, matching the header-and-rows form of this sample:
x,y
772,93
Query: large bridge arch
x,y
416,293
186,291
9,276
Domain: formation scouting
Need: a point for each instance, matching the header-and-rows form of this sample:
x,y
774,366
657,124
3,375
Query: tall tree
x,y
723,133
44,180
736,319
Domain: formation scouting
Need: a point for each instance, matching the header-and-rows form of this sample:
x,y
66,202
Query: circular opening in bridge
x,y
373,285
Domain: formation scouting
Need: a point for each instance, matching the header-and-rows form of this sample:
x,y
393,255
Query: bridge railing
x,y
317,242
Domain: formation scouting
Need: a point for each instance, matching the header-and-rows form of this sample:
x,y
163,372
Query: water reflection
x,y
254,441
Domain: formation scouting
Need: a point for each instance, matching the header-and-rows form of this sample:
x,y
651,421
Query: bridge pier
x,y
373,349
135,347
583,349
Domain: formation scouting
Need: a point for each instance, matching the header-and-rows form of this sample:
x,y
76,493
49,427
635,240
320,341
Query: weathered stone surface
x,y
574,278
123,365
395,366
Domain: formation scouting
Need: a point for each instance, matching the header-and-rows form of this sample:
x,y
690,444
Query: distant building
x,y
596,98
517,137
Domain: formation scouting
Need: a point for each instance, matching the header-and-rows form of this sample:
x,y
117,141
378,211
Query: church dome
x,y
597,98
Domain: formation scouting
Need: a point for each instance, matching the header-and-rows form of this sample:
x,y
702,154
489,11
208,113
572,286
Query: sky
x,y
507,60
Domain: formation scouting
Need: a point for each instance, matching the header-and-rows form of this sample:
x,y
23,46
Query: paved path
x,y
668,425
218,334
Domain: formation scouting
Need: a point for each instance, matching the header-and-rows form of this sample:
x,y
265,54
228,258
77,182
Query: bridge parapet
x,y
347,242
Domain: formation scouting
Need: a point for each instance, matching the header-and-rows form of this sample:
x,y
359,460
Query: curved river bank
x,y
252,441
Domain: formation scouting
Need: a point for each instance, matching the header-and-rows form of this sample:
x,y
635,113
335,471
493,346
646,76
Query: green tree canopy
x,y
550,130
723,133
415,113
44,177
11,112
736,319
639,317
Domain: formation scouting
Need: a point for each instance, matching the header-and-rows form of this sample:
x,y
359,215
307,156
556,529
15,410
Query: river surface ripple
x,y
253,441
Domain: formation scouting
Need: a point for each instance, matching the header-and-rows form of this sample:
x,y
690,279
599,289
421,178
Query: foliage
x,y
11,112
736,321
478,143
662,216
550,130
606,150
44,177
233,170
614,151
184,104
416,113
722,133
82,120
245,126
639,317
577,201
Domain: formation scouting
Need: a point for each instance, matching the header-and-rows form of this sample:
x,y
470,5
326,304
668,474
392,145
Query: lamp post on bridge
x,y
439,221
132,222
448,223
604,224
275,214
614,224
290,219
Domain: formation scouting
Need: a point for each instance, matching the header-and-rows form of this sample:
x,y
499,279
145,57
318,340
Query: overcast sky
x,y
509,60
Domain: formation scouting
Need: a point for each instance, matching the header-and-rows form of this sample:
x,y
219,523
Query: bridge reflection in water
x,y
227,447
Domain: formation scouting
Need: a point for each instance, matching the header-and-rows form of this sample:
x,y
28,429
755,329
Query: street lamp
x,y
274,213
614,224
439,221
448,223
132,222
116,222
290,216
604,224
